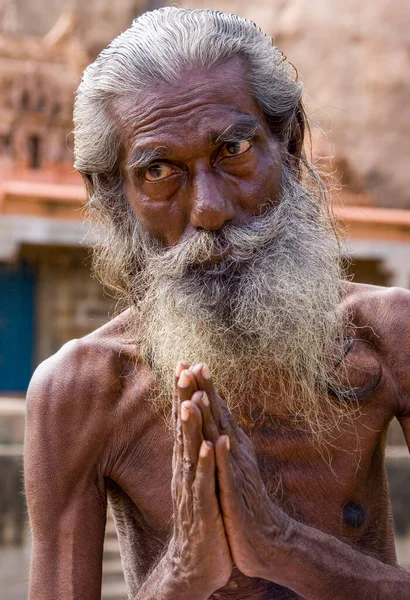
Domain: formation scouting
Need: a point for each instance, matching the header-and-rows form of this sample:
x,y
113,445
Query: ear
x,y
89,184
296,137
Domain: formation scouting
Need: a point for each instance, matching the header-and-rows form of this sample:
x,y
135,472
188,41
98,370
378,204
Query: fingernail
x,y
227,442
196,396
196,369
206,373
204,450
205,399
179,369
185,411
184,380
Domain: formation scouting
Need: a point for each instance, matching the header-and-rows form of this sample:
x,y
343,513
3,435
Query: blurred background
x,y
354,58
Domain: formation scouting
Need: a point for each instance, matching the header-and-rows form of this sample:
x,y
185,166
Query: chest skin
x,y
341,490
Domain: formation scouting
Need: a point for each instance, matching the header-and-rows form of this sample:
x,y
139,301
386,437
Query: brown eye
x,y
236,148
158,172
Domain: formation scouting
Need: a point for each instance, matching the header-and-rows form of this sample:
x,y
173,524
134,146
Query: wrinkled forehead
x,y
202,102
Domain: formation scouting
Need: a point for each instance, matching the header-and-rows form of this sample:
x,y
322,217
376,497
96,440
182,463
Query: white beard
x,y
266,320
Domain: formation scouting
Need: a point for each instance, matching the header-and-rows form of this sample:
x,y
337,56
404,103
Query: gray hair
x,y
155,49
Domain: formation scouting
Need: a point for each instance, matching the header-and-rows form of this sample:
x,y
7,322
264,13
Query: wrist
x,y
276,556
182,581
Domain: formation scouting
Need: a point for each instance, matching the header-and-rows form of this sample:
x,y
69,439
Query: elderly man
x,y
255,469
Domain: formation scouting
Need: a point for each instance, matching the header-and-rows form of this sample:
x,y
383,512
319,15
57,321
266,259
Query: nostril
x,y
211,216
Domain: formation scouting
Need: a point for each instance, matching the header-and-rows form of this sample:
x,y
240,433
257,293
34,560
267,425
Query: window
x,y
34,154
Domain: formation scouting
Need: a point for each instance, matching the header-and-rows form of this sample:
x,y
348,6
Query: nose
x,y
210,207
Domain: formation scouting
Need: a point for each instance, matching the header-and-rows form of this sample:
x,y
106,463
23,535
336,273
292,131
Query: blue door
x,y
16,327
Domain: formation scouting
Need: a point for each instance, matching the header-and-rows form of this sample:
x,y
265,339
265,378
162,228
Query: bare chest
x,y
343,492
340,488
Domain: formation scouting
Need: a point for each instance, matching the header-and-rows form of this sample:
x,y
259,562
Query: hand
x,y
199,548
254,525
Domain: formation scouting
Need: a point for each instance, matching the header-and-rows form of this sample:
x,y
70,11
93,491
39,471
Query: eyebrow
x,y
143,157
244,128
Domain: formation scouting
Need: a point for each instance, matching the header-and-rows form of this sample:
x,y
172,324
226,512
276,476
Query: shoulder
x,y
77,402
377,306
68,422
383,314
82,363
77,385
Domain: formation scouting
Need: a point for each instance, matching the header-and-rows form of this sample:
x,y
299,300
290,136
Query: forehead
x,y
202,105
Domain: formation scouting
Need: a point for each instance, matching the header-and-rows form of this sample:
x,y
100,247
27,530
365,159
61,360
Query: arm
x,y
69,421
314,564
399,353
267,543
65,489
318,566
321,566
197,561
405,425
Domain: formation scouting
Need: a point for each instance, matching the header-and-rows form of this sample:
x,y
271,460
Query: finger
x,y
176,421
192,439
204,381
228,493
175,454
209,428
186,385
178,449
204,485
181,366
221,415
177,465
175,408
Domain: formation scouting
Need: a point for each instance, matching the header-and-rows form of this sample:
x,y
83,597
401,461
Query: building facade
x,y
47,294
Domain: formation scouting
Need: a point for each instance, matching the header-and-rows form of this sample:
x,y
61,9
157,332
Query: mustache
x,y
240,243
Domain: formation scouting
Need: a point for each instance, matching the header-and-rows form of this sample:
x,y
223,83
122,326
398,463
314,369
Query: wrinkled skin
x,y
250,519
198,523
91,433
269,517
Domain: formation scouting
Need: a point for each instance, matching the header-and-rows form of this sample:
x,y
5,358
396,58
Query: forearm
x,y
165,582
318,566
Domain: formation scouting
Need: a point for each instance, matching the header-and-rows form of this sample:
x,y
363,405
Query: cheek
x,y
161,219
264,185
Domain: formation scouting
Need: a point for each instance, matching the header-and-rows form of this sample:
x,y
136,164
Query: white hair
x,y
155,49
277,308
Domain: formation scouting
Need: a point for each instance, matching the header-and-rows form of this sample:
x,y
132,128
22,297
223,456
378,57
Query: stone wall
x,y
69,302
354,58
12,504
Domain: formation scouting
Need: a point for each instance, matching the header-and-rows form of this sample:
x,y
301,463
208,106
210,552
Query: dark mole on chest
x,y
353,515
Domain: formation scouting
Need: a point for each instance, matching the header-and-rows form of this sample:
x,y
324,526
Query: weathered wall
x,y
354,58
98,20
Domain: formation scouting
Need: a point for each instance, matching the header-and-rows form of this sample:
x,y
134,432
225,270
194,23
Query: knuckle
x,y
223,423
188,465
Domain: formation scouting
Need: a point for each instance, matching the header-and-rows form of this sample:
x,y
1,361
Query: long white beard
x,y
266,320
